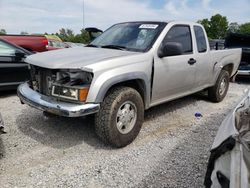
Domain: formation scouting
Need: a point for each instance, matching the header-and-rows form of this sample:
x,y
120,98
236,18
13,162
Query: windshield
x,y
135,36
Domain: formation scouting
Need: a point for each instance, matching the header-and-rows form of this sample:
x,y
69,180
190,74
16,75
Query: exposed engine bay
x,y
63,84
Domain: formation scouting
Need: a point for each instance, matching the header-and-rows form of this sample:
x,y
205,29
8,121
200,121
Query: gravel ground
x,y
171,150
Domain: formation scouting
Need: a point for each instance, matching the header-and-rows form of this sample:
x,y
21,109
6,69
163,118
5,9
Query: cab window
x,y
182,35
200,39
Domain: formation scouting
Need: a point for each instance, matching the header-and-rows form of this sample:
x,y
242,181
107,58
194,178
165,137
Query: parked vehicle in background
x,y
129,68
217,44
236,40
93,32
80,44
73,45
229,162
13,69
32,43
54,42
70,44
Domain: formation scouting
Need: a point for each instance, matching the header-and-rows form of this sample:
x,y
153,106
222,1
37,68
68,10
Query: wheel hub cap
x,y
126,117
223,87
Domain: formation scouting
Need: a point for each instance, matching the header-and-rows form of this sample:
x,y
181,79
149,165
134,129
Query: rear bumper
x,y
44,103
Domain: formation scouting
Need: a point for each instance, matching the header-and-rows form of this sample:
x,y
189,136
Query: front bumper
x,y
44,103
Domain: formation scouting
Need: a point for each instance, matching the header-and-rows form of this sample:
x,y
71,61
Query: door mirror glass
x,y
170,49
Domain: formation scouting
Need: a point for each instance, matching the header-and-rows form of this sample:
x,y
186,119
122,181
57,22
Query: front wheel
x,y
120,117
218,92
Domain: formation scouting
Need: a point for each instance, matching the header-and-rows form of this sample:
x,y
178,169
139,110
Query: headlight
x,y
72,85
74,78
72,93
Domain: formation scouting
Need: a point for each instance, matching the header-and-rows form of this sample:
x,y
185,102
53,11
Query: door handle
x,y
191,61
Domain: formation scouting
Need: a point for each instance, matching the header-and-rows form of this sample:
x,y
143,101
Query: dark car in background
x,y
236,40
13,70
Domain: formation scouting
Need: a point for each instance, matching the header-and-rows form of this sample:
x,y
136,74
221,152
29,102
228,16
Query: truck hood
x,y
75,58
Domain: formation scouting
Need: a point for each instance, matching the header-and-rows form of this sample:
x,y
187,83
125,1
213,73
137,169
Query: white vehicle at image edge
x,y
131,67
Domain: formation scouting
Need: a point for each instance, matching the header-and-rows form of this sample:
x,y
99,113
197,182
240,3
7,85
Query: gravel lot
x,y
171,150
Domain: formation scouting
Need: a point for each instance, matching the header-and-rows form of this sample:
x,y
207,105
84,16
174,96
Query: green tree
x,y
245,28
68,35
233,27
216,27
85,36
3,32
205,23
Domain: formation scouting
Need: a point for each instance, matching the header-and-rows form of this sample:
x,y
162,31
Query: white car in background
x,y
229,163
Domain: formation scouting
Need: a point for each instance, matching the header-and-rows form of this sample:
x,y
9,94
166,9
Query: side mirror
x,y
170,49
19,54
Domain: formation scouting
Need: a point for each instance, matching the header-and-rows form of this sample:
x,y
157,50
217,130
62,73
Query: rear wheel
x,y
218,92
120,117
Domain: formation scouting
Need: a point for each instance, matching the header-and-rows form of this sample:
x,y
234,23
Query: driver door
x,y
174,76
13,70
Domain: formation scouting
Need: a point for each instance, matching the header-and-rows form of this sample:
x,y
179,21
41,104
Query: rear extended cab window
x,y
200,39
182,35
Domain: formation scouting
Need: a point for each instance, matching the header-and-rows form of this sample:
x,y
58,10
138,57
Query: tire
x,y
120,117
218,92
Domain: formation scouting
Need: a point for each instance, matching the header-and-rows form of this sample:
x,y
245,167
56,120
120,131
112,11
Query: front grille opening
x,y
42,79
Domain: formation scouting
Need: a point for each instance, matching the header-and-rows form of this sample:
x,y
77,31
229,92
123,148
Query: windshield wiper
x,y
115,47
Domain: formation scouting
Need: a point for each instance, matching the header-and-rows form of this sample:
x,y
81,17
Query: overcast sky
x,y
39,16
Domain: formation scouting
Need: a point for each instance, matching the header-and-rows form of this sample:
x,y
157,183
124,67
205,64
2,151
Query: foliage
x,y
233,27
68,35
205,23
245,28
216,27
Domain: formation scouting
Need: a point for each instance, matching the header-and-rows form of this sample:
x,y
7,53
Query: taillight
x,y
45,42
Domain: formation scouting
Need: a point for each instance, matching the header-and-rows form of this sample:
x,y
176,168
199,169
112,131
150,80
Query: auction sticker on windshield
x,y
148,26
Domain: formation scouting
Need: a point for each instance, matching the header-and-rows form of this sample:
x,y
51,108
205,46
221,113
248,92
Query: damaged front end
x,y
62,92
64,85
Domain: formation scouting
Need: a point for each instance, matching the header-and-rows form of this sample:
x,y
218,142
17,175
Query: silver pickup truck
x,y
129,68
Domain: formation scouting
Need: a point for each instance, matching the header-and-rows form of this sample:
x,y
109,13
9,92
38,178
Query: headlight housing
x,y
72,93
72,85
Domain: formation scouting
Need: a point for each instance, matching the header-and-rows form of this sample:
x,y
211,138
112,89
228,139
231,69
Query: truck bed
x,y
226,56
